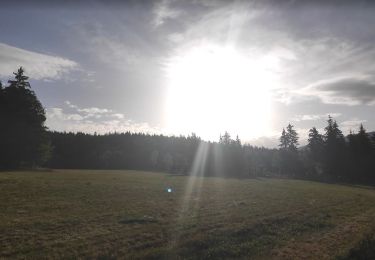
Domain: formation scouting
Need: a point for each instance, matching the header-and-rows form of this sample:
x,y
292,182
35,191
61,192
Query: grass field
x,y
128,214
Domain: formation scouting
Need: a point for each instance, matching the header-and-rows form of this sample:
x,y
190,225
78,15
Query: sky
x,y
177,67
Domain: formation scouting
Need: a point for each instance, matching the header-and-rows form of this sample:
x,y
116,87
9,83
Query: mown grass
x,y
129,214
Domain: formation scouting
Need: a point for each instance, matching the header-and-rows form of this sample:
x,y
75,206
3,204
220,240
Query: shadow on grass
x,y
365,249
246,242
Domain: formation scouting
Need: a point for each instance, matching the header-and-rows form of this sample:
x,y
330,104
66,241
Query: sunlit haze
x,y
214,88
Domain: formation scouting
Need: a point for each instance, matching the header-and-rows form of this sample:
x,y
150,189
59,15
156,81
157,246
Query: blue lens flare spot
x,y
169,190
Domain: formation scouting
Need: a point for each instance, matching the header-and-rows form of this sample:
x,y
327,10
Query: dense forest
x,y
25,142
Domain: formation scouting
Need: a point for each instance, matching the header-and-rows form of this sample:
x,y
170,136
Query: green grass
x,y
128,214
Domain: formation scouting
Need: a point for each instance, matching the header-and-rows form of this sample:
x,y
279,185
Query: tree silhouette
x,y
20,80
238,141
225,139
364,142
360,156
334,152
292,137
289,138
23,134
284,140
289,159
315,144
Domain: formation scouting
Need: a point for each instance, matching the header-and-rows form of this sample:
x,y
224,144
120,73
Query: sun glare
x,y
213,89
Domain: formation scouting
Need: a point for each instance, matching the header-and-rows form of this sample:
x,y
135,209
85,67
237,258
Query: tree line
x,y
25,142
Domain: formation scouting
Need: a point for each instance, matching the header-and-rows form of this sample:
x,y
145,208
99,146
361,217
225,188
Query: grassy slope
x,y
124,213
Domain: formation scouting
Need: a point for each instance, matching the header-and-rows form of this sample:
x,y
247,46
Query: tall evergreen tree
x,y
315,144
238,141
226,139
334,152
289,138
363,163
289,160
20,80
23,134
284,140
292,138
364,142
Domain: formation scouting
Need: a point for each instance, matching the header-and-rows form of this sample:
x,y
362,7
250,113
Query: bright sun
x,y
212,89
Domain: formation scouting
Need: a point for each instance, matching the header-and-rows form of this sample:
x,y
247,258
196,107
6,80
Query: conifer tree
x,y
284,141
292,138
20,80
315,144
24,139
364,142
334,150
289,160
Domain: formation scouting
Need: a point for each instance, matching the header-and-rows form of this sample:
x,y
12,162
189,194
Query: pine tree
x,y
20,80
292,138
238,141
24,139
225,139
289,138
289,159
284,141
352,143
315,144
364,142
334,150
358,164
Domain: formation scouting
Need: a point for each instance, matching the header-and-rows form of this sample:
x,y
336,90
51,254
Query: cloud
x,y
38,66
89,110
314,117
264,141
69,104
345,91
163,11
112,51
94,110
93,119
133,48
118,116
351,124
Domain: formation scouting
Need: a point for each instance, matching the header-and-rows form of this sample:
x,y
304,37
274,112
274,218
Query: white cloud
x,y
75,117
93,119
90,110
94,110
37,65
69,104
351,124
264,141
118,116
314,117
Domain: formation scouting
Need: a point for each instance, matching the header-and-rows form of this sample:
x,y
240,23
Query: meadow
x,y
131,214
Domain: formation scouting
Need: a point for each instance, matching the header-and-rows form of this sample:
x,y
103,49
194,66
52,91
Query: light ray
x,y
192,193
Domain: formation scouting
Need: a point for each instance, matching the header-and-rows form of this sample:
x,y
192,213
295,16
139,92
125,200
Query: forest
x,y
25,142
